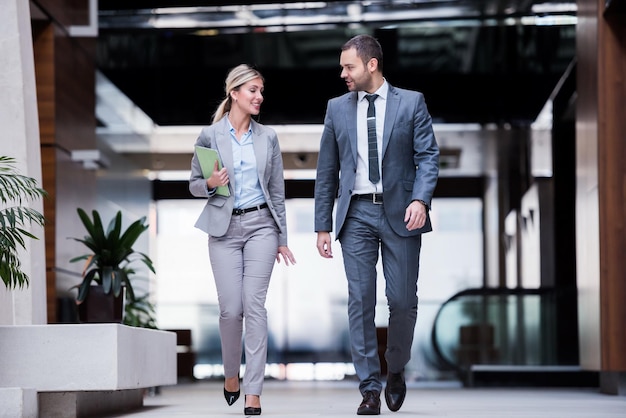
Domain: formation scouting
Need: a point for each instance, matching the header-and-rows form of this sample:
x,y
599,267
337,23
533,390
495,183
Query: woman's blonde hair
x,y
237,77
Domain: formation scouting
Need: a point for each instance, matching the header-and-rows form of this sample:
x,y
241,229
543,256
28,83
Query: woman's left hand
x,y
287,255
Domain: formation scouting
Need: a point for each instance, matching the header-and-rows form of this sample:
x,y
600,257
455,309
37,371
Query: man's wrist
x,y
422,202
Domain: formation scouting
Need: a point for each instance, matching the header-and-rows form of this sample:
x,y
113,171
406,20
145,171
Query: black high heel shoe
x,y
251,410
231,397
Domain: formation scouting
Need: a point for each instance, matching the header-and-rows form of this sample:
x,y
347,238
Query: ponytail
x,y
222,109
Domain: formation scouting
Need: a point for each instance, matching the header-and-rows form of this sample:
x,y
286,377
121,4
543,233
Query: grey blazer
x,y
410,159
215,216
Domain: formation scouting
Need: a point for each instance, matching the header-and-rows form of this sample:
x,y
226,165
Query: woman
x,y
246,226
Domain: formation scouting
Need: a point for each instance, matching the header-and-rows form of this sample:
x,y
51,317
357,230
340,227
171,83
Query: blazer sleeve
x,y
327,174
276,187
425,153
197,183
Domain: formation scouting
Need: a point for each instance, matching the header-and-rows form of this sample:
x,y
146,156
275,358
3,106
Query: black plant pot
x,y
99,307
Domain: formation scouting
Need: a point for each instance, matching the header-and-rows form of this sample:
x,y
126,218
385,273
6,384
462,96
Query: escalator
x,y
502,336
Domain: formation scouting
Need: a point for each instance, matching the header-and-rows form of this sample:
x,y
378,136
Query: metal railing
x,y
497,326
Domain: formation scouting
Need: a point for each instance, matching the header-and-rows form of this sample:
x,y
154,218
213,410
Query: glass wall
x,y
307,302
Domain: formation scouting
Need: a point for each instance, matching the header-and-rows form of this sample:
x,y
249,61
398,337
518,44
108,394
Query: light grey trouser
x,y
242,262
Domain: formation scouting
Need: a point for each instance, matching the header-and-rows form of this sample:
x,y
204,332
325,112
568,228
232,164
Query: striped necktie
x,y
372,142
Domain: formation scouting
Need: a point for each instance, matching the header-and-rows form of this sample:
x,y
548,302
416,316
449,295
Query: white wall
x,y
20,139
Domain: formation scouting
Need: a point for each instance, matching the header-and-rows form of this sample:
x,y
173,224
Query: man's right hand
x,y
323,244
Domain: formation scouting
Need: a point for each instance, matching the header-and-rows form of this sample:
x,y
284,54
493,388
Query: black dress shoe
x,y
395,391
370,404
251,410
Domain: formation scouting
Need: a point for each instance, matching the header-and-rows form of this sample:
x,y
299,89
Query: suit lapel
x,y
351,123
391,112
259,142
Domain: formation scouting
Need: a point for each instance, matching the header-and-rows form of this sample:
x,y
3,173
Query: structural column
x,y
600,194
19,139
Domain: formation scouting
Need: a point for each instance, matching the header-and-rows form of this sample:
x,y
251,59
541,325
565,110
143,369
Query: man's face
x,y
356,75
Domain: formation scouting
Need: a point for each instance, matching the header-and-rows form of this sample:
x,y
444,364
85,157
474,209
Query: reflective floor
x,y
340,400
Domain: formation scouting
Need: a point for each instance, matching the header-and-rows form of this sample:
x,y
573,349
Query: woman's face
x,y
248,97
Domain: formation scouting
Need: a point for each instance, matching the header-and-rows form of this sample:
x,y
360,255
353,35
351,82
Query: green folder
x,y
207,158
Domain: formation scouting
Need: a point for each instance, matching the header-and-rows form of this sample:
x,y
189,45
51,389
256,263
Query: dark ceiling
x,y
490,61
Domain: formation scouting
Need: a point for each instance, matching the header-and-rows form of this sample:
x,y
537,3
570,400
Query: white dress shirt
x,y
362,184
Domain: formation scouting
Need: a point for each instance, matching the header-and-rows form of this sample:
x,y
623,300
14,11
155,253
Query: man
x,y
386,209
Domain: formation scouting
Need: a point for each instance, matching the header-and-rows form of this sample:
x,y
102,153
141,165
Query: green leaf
x,y
86,221
98,234
113,231
83,290
133,232
80,258
15,190
118,276
140,313
107,279
147,261
130,292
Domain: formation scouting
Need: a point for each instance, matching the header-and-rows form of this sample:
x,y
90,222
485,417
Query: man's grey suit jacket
x,y
215,216
410,159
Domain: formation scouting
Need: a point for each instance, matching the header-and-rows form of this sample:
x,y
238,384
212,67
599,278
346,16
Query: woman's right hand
x,y
218,178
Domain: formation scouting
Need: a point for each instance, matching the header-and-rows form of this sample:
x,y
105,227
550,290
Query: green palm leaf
x,y
140,313
83,288
16,189
133,232
113,231
147,261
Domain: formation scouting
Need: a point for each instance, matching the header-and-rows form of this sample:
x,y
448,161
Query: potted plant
x,y
107,272
14,190
140,313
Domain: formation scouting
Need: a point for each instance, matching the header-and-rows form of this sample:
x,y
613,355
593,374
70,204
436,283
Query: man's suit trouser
x,y
365,231
242,263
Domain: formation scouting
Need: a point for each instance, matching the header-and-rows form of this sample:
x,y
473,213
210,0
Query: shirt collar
x,y
232,130
382,91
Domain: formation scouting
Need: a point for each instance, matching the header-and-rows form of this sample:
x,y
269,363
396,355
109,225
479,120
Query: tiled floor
x,y
340,400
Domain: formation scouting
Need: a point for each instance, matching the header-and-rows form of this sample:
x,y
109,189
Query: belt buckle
x,y
377,202
238,212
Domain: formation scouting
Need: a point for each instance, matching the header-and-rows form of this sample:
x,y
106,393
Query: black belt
x,y
246,210
376,198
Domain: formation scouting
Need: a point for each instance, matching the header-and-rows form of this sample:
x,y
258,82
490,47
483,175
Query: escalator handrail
x,y
479,291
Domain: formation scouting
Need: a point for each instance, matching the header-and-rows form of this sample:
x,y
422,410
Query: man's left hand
x,y
415,215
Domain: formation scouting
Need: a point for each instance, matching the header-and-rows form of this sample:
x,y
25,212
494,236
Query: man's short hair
x,y
367,47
